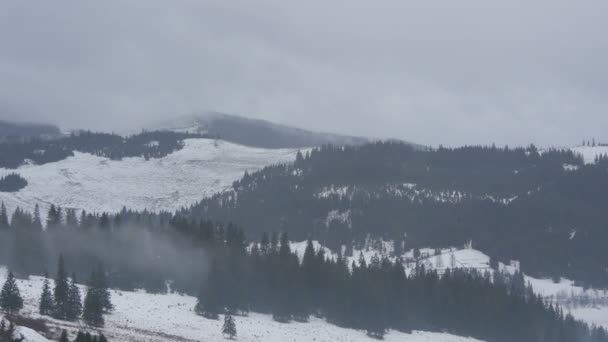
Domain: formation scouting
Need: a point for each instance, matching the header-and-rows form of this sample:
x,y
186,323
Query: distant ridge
x,y
13,131
255,132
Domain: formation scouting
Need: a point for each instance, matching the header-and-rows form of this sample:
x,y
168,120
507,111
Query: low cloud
x,y
436,73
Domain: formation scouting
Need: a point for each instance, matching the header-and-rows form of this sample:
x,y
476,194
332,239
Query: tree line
x,y
155,144
12,182
233,274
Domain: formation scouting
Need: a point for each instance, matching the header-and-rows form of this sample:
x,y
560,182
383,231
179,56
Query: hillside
x,y
94,183
507,201
252,132
142,317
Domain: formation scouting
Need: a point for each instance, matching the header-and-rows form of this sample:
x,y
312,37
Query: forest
x,y
232,273
543,208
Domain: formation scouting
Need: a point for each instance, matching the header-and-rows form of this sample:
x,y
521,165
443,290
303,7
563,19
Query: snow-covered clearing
x,y
470,258
202,168
590,152
154,318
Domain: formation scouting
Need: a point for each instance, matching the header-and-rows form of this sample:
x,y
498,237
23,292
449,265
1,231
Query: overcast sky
x,y
433,72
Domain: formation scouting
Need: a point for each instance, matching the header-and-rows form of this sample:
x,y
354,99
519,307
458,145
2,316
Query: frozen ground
x,y
202,168
146,317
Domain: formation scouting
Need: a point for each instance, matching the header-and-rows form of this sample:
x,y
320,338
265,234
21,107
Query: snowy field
x,y
202,168
590,152
146,317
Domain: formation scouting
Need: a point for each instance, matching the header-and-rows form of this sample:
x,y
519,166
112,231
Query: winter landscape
x,y
326,171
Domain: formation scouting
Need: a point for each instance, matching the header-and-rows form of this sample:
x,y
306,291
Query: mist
x,y
463,73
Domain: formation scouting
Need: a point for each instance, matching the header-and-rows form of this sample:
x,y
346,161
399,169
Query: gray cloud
x,y
457,72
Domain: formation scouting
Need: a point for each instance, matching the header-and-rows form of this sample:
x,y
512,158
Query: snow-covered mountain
x,y
97,184
253,132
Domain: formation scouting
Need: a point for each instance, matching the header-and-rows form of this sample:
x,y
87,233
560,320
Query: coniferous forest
x,y
543,208
234,274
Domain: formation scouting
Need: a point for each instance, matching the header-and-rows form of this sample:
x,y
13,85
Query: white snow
x,y
339,216
95,184
29,335
146,317
469,258
590,152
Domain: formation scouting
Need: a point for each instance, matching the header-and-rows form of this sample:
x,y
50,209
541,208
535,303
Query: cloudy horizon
x,y
467,72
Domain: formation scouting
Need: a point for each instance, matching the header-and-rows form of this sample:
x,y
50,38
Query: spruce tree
x,y
10,297
209,302
101,283
64,336
46,299
80,337
37,223
3,217
229,327
93,304
61,291
74,301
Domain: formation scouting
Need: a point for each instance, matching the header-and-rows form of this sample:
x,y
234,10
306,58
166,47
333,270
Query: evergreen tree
x,y
53,219
3,217
46,307
209,300
74,301
64,336
93,304
61,291
80,337
10,297
229,327
37,223
101,284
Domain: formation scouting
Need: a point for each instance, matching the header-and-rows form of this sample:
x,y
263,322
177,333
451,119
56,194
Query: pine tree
x,y
209,302
46,299
104,292
93,304
102,338
61,291
74,301
229,327
37,223
10,297
64,336
80,337
3,217
452,261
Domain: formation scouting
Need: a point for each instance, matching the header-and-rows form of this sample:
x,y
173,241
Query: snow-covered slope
x,y
590,152
564,292
203,167
154,318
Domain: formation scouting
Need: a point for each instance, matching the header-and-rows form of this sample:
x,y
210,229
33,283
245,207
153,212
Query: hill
x,y
253,132
507,201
